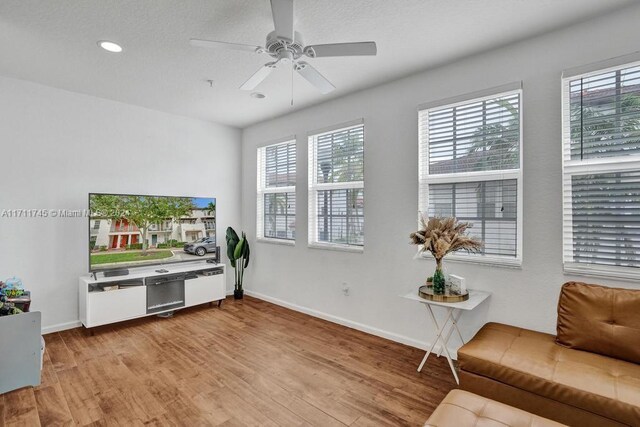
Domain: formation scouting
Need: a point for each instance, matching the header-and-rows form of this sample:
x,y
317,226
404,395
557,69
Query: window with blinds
x,y
470,169
601,172
336,188
276,203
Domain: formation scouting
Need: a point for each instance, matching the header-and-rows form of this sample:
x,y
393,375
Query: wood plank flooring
x,y
247,363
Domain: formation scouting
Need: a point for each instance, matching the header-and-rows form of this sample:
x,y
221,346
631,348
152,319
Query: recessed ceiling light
x,y
110,46
258,95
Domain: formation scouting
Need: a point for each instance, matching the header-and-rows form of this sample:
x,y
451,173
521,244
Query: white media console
x,y
146,291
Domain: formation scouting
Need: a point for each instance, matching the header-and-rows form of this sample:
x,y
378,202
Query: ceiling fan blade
x,y
258,77
341,49
283,18
224,45
314,77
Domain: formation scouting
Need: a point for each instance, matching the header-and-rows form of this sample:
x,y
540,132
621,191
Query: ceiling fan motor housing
x,y
284,49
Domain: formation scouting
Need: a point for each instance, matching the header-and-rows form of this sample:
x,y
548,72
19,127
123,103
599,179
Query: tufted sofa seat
x,y
460,409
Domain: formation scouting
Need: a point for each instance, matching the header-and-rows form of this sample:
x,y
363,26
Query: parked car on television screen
x,y
201,246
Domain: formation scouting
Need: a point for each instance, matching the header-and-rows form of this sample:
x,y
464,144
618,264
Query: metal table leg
x,y
454,325
440,338
438,334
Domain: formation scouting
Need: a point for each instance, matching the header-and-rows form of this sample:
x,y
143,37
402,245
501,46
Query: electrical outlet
x,y
345,288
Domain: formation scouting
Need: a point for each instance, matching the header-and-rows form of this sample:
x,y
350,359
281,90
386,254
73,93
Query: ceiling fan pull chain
x,y
293,65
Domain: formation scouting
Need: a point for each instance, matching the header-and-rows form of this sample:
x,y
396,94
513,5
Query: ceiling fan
x,y
286,48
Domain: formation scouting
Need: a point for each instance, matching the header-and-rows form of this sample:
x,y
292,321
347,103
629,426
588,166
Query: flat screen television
x,y
127,230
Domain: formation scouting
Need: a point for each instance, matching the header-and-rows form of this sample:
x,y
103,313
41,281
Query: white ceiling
x,y
54,43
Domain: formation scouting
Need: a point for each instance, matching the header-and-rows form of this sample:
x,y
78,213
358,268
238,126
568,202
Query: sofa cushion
x,y
532,361
600,319
461,408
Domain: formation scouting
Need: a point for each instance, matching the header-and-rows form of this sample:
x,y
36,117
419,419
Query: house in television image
x,y
120,233
144,229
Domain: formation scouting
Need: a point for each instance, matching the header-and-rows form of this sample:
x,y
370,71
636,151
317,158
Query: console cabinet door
x,y
204,289
114,306
20,351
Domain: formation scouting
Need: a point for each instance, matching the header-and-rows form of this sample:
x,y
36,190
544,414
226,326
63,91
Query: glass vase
x,y
438,282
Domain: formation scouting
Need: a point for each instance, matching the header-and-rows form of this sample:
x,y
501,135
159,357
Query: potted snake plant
x,y
238,252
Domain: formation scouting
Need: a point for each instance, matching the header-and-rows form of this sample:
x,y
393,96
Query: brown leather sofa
x,y
587,375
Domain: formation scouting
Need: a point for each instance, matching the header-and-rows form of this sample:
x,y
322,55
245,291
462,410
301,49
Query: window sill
x,y
336,247
600,272
283,242
488,261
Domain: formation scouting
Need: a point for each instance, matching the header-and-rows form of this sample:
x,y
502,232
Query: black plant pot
x,y
238,294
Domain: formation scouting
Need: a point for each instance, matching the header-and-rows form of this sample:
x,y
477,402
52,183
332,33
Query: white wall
x,y
312,278
57,146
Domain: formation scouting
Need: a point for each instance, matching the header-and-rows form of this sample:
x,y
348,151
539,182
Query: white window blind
x,y
336,188
601,172
470,169
276,216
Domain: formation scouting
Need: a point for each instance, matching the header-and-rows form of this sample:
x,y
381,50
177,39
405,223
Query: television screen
x,y
132,231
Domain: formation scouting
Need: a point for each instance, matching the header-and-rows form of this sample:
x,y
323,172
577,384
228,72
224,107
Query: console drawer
x,y
114,306
204,289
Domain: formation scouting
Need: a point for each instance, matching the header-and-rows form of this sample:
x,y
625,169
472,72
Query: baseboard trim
x,y
392,336
61,327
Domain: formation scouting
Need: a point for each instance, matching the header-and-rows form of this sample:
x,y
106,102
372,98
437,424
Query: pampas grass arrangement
x,y
441,236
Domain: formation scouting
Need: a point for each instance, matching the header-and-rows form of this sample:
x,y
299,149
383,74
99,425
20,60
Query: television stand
x,y
113,273
106,299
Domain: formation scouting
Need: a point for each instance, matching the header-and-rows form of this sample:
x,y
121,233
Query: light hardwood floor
x,y
248,363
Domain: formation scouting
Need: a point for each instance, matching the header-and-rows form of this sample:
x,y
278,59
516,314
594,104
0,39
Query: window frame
x,y
591,166
262,189
315,187
425,179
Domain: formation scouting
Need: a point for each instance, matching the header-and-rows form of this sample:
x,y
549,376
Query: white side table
x,y
454,311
